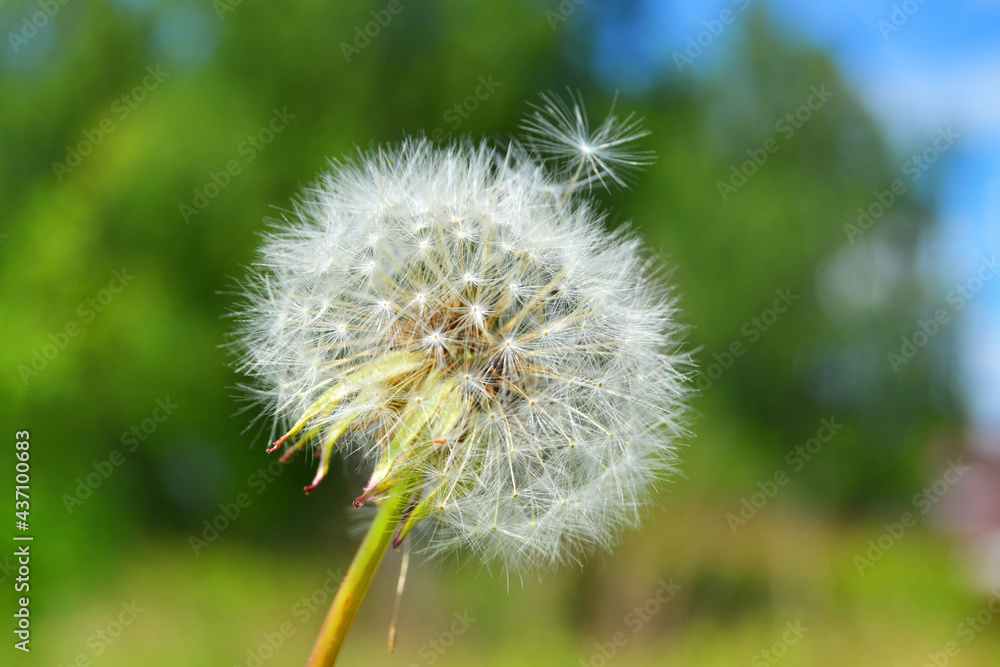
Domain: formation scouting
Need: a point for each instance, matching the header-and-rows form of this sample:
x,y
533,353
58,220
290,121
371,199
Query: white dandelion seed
x,y
460,318
560,132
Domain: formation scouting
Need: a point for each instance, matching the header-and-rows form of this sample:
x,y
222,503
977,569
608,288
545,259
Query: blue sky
x,y
940,68
918,66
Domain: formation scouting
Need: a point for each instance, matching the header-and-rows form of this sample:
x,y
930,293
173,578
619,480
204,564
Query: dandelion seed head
x,y
460,319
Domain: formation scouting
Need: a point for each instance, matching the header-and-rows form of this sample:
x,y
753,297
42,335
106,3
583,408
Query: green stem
x,y
359,576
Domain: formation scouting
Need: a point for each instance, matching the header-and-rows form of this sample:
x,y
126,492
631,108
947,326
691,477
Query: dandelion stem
x,y
359,576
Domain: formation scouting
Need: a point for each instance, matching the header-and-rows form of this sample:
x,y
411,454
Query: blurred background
x,y
827,189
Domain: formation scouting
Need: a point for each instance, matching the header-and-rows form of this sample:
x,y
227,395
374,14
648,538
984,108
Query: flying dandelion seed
x,y
560,133
460,319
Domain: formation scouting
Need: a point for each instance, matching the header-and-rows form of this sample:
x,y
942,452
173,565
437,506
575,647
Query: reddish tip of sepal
x,y
312,487
286,456
438,442
398,539
277,444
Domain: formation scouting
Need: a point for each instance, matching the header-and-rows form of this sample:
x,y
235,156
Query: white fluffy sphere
x,y
461,319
